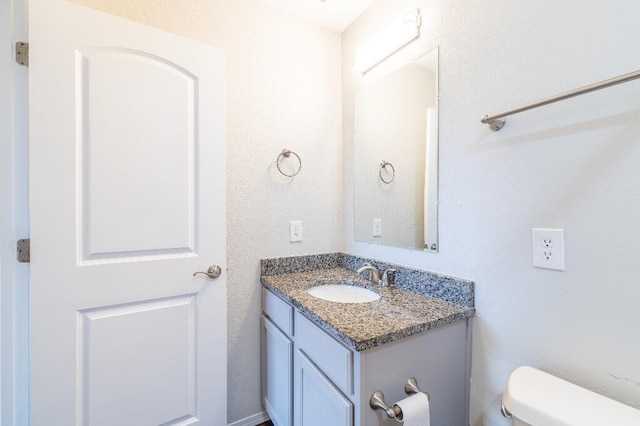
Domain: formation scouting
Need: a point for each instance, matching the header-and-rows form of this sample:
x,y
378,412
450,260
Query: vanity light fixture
x,y
400,33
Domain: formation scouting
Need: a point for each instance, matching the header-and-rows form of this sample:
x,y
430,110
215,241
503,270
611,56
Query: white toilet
x,y
536,398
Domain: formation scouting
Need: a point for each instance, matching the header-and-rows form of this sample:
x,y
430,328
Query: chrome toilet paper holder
x,y
394,411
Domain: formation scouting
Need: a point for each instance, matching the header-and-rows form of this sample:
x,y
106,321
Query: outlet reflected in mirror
x,y
396,157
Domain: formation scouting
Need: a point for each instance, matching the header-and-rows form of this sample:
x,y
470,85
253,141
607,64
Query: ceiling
x,y
335,15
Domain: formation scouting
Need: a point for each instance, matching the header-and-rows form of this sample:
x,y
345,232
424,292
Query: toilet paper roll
x,y
415,410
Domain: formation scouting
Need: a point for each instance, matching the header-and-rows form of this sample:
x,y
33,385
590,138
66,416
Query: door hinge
x,y
24,250
22,53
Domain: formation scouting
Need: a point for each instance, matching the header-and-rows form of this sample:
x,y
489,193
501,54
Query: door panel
x,y
153,355
134,103
127,194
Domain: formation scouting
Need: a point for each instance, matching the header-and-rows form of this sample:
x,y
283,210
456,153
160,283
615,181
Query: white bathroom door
x,y
127,198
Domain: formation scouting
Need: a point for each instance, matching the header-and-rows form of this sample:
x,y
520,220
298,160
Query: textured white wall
x,y
571,165
283,90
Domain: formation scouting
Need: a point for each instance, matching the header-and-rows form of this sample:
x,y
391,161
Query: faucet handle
x,y
374,274
387,277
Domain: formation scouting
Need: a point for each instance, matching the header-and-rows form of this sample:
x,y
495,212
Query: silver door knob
x,y
213,272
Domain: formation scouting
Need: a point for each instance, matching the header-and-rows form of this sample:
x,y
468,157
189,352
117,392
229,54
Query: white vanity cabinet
x,y
323,377
312,379
277,359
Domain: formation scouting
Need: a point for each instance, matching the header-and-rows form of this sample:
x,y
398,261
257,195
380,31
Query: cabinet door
x,y
277,371
317,402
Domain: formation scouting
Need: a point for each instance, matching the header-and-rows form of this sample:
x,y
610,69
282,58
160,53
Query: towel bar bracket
x,y
495,124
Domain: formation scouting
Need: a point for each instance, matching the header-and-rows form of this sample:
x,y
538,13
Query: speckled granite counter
x,y
416,302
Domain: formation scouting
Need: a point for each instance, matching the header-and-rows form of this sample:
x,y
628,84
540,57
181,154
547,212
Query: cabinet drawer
x,y
335,360
279,311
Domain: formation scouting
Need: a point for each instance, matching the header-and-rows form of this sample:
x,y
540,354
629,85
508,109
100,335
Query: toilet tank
x,y
534,397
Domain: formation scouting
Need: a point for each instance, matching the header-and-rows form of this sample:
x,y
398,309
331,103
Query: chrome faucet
x,y
374,275
388,277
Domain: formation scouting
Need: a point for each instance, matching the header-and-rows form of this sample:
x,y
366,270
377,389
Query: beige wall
x,y
283,90
571,165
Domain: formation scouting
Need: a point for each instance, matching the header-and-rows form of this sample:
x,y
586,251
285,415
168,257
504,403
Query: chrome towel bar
x,y
497,121
394,412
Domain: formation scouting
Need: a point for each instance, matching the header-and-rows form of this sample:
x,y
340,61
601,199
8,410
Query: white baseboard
x,y
254,420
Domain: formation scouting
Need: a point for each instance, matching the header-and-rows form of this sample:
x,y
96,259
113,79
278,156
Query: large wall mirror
x,y
396,157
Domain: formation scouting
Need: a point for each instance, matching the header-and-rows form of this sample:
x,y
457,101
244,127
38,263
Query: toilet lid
x,y
538,398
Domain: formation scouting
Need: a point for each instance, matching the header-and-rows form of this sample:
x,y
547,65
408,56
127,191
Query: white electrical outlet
x,y
295,231
377,227
548,248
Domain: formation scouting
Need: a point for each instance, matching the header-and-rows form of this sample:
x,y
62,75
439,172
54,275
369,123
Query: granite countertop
x,y
398,313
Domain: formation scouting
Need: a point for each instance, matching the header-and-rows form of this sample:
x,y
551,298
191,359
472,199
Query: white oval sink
x,y
343,293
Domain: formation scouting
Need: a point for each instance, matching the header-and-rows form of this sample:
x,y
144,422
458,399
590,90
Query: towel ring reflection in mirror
x,y
383,166
286,153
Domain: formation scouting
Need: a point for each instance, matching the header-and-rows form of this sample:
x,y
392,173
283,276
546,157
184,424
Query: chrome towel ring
x,y
286,153
383,166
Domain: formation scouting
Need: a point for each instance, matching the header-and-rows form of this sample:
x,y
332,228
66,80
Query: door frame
x,y
14,222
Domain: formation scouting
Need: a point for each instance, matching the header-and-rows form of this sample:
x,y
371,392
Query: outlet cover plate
x,y
295,231
548,248
377,227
